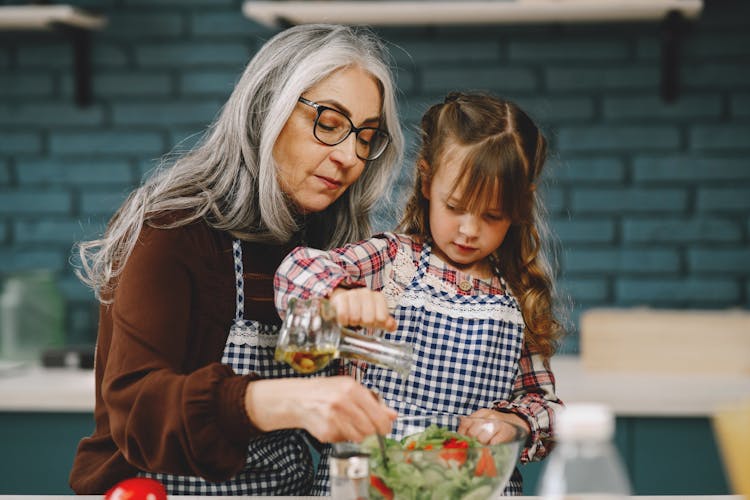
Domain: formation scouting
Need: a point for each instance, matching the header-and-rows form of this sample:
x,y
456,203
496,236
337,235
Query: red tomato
x,y
382,488
137,488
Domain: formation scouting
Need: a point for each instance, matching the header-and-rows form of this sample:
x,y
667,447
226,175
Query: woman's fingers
x,y
332,409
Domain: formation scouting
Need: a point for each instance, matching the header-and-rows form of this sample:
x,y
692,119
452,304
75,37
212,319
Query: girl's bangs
x,y
493,177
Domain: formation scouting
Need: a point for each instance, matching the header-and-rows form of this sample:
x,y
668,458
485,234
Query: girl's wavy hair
x,y
505,154
229,178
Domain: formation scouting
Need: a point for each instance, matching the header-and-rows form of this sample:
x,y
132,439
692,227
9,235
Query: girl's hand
x,y
487,433
362,307
332,409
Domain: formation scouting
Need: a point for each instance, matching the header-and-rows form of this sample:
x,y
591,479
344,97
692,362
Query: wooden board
x,y
651,340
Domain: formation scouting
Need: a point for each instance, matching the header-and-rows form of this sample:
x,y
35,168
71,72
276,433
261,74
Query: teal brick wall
x,y
650,200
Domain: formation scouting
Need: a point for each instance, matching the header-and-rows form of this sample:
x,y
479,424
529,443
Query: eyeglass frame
x,y
320,108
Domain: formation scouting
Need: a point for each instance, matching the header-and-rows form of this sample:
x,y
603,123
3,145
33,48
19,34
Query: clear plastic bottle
x,y
32,315
585,463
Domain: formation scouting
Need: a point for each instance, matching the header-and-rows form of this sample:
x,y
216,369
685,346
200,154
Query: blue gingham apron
x,y
278,463
466,352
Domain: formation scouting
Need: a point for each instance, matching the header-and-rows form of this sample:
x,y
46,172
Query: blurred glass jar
x,y
310,338
32,315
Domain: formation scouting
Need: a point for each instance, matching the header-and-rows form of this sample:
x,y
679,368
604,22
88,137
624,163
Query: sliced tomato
x,y
456,454
382,488
485,465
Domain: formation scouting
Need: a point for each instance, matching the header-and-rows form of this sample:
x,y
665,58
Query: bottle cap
x,y
586,421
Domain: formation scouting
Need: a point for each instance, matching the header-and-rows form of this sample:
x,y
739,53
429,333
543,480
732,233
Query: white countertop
x,y
32,388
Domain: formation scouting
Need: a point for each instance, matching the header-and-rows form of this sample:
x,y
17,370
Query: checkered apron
x,y
278,463
466,352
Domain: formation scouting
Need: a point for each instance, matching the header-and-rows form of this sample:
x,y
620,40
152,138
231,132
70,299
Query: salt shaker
x,y
350,474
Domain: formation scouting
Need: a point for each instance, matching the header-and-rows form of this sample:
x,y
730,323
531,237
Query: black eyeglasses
x,y
332,127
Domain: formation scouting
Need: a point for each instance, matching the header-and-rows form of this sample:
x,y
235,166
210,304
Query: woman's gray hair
x,y
230,177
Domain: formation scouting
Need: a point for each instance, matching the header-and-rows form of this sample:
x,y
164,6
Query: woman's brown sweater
x,y
164,403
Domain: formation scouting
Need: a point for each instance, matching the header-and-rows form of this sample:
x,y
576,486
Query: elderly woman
x,y
187,390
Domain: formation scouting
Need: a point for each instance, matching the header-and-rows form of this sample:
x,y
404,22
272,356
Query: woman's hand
x,y
332,409
487,433
362,307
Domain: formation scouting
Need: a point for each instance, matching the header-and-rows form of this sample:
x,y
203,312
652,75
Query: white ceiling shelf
x,y
47,17
671,14
73,22
394,12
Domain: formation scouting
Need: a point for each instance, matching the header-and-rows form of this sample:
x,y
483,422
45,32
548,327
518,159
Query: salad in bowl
x,y
443,456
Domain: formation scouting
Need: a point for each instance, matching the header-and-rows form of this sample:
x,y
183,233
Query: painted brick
x,y
618,138
35,202
681,230
690,168
4,172
584,231
166,55
740,105
558,109
173,113
50,114
593,170
132,83
690,292
180,3
728,199
45,55
106,142
73,172
720,137
405,80
4,232
101,202
219,83
225,24
608,200
27,260
104,55
184,139
443,79
4,58
588,290
714,76
616,260
557,49
19,142
653,107
553,199
142,24
720,260
716,46
423,52
65,231
601,79
26,84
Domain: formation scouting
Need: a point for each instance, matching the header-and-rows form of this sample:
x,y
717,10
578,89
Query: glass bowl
x,y
443,456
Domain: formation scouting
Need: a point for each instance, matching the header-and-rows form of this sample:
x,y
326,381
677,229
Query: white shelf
x,y
46,17
76,24
393,12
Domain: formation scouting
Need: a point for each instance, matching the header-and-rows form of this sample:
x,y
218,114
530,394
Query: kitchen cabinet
x,y
664,431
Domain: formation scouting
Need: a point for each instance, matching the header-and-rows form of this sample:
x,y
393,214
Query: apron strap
x,y
239,282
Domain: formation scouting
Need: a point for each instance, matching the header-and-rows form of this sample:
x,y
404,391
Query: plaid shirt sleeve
x,y
534,400
307,272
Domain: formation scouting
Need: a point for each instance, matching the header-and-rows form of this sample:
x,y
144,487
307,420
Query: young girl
x,y
466,279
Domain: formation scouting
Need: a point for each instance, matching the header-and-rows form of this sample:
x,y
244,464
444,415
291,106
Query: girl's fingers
x,y
362,307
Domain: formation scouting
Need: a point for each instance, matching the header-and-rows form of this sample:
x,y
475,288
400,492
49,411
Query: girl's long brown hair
x,y
506,154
